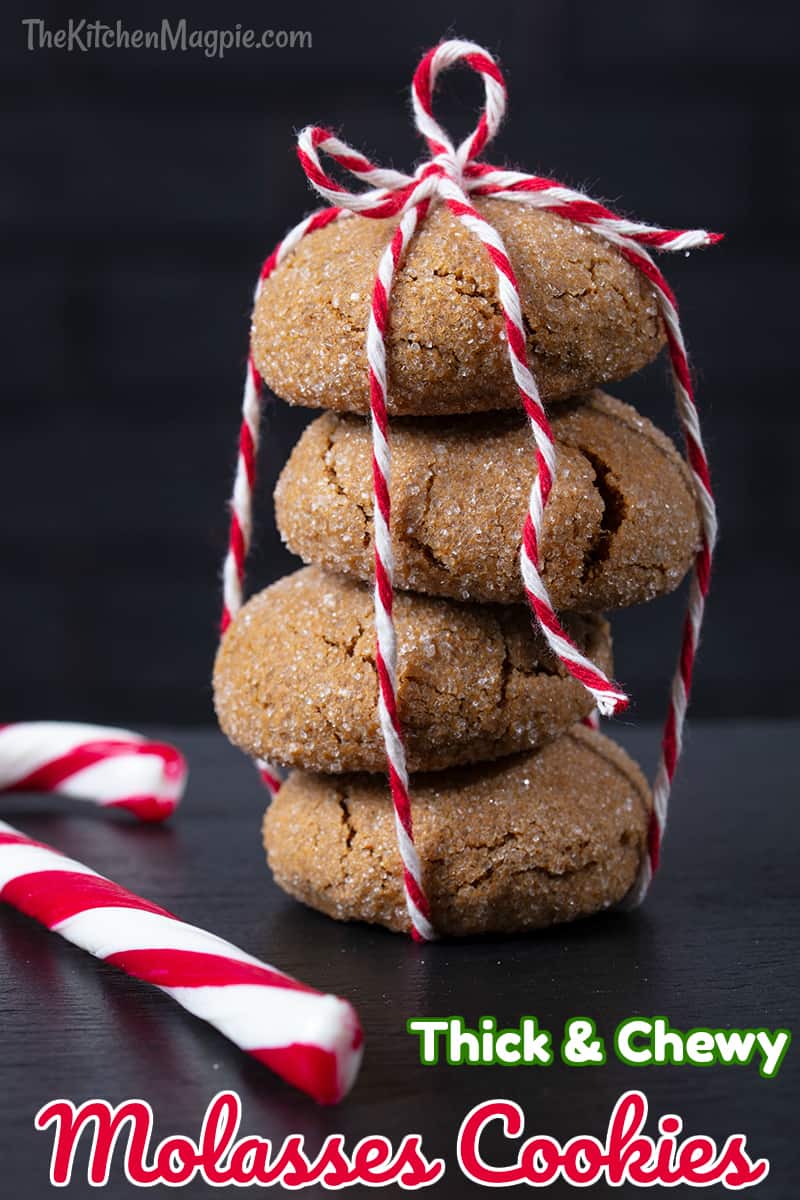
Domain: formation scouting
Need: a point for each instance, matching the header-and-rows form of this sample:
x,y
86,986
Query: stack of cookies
x,y
522,815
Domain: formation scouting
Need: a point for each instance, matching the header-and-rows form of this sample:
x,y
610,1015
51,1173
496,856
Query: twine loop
x,y
392,193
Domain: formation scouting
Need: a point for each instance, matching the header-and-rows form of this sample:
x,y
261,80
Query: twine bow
x,y
451,175
449,172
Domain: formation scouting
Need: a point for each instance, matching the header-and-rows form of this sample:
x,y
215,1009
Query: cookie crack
x,y
443,351
614,512
470,287
535,348
654,437
323,716
531,335
629,308
332,476
347,822
427,553
418,543
427,685
596,285
488,871
533,869
581,292
545,663
349,646
548,873
505,672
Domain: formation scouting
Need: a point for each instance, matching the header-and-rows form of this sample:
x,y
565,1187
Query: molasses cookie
x,y
590,316
295,679
505,847
620,528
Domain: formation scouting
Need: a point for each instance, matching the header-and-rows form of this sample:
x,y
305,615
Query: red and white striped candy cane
x,y
451,175
112,768
312,1040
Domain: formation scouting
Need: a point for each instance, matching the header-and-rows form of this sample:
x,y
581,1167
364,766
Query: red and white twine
x,y
451,176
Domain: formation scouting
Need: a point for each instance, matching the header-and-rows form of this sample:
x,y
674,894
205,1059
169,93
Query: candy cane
x,y
451,175
112,768
313,1041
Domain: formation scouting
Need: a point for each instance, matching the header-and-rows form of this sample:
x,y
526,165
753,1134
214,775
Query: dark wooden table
x,y
716,945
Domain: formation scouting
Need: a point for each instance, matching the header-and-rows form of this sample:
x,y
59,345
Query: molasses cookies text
x,y
121,1141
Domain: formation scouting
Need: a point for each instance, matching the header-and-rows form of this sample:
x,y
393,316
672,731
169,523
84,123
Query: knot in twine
x,y
448,173
451,175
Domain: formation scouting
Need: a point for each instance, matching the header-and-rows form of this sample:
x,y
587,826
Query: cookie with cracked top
x,y
590,316
295,679
505,847
621,525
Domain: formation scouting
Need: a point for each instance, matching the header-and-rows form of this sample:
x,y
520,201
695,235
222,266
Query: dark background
x,y
141,192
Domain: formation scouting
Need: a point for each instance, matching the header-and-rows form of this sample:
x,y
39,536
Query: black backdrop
x,y
141,191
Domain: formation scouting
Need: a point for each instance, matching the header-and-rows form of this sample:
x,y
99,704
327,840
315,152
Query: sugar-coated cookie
x,y
621,526
590,316
505,847
295,679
